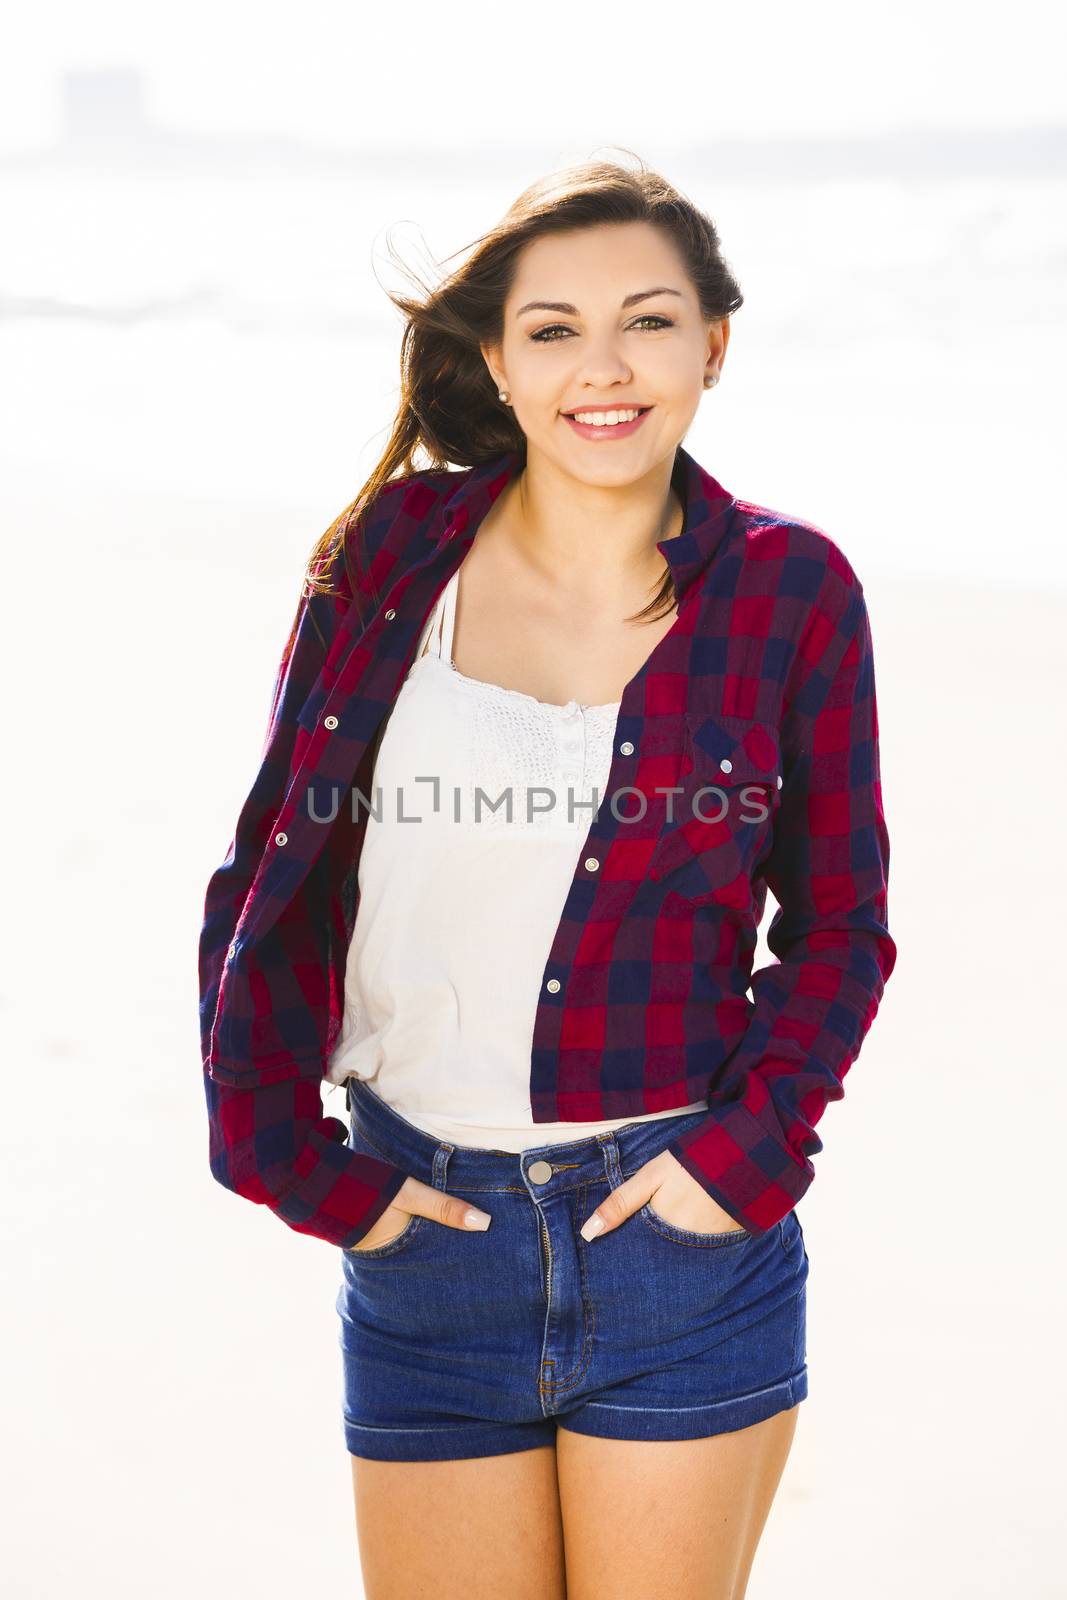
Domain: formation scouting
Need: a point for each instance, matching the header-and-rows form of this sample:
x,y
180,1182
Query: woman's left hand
x,y
675,1194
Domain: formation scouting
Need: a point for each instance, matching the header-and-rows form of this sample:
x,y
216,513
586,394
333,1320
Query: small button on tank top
x,y
486,796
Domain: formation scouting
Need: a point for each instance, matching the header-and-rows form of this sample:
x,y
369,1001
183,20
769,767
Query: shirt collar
x,y
707,510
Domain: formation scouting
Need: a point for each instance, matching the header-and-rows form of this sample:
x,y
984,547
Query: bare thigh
x,y
665,1520
461,1530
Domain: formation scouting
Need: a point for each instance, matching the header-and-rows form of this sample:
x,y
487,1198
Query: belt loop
x,y
610,1146
440,1164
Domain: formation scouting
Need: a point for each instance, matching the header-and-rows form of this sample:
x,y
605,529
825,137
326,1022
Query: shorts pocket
x,y
724,1238
358,1140
390,1247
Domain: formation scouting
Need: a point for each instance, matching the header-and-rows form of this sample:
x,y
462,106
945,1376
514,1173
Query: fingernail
x,y
592,1227
477,1219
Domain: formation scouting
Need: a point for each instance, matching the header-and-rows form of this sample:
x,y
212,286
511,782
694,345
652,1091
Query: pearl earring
x,y
711,380
503,395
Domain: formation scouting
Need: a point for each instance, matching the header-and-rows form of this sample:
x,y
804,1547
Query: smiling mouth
x,y
602,411
627,421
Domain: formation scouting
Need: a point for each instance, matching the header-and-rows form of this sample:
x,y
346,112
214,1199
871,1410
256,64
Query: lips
x,y
615,406
618,430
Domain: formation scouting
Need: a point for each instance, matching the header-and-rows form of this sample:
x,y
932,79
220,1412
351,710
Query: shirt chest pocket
x,y
723,818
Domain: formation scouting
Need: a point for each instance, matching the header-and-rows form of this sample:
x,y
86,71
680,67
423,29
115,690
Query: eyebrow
x,y
572,311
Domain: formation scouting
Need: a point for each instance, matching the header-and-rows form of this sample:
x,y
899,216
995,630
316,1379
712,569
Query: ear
x,y
491,357
718,339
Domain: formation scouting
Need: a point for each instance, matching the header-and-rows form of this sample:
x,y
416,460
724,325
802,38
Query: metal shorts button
x,y
539,1171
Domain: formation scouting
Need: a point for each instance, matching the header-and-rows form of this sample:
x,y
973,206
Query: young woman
x,y
556,710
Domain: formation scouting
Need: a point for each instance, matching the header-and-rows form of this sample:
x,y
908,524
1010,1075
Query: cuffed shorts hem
x,y
602,1419
456,1442
597,1419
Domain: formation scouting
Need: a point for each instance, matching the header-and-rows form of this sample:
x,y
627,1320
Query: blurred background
x,y
198,369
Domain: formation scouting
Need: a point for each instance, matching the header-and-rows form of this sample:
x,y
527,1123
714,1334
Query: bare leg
x,y
659,1520
477,1529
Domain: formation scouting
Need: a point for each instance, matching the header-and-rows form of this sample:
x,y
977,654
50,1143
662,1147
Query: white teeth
x,y
605,419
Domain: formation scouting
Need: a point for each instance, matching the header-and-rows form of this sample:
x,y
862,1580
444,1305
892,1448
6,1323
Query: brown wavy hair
x,y
449,408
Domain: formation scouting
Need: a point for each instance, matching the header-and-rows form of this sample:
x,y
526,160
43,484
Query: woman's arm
x,y
268,1138
228,887
828,870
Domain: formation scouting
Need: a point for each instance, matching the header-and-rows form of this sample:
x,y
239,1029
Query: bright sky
x,y
569,75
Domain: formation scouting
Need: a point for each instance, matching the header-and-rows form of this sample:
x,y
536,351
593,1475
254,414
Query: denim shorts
x,y
458,1344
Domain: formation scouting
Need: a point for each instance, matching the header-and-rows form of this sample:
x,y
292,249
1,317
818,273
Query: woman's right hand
x,y
417,1199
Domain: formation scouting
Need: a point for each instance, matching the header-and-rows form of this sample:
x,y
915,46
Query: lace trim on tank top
x,y
521,742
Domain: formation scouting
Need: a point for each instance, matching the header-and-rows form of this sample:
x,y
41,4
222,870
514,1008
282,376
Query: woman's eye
x,y
541,336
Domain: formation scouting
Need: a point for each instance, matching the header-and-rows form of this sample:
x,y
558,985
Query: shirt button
x,y
281,838
591,863
726,766
390,614
232,951
539,1171
552,986
779,781
626,748
330,722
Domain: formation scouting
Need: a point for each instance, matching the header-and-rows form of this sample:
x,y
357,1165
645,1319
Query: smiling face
x,y
583,333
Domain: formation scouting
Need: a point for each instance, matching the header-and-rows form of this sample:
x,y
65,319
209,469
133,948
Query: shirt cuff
x,y
749,1172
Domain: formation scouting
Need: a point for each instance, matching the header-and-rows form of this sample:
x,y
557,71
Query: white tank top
x,y
458,910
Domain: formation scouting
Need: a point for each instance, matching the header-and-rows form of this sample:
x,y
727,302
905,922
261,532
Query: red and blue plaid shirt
x,y
745,757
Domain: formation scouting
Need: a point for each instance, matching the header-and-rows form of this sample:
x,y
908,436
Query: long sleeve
x,y
828,870
268,1138
229,884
